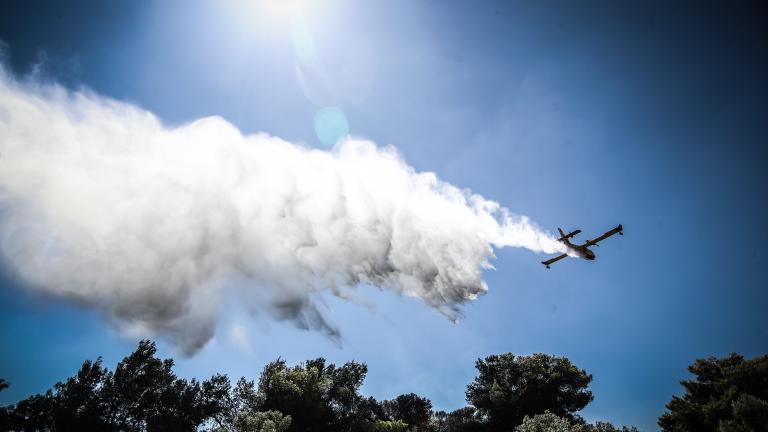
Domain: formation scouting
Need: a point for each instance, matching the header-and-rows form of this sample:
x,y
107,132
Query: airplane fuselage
x,y
582,251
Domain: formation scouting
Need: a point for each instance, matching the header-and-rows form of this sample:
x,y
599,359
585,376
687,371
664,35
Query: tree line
x,y
536,393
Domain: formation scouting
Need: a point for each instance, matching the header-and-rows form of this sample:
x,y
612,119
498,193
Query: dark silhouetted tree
x,y
145,394
464,420
318,396
242,400
72,405
77,402
142,394
509,387
368,412
727,394
32,414
411,409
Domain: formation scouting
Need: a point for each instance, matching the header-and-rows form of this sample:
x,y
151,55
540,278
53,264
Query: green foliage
x,y
607,427
317,396
262,421
727,394
749,414
412,409
462,420
241,400
525,394
549,422
510,387
389,426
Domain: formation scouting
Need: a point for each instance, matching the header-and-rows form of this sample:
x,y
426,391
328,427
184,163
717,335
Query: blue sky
x,y
577,114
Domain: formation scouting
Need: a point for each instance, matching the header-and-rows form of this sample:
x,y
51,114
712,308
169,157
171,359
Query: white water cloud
x,y
104,205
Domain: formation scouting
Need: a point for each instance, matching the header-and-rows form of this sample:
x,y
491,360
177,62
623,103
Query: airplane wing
x,y
618,229
553,260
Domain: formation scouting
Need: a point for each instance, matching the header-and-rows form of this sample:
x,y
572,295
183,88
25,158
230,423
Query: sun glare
x,y
285,9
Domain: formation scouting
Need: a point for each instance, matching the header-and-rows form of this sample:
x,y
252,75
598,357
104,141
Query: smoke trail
x,y
104,205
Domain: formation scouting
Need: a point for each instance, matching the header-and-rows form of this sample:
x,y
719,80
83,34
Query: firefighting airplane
x,y
581,251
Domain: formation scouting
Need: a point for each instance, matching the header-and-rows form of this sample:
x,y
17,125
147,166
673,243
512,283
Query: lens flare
x,y
331,125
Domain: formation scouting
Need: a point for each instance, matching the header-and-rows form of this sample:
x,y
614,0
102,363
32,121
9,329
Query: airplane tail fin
x,y
564,237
